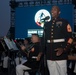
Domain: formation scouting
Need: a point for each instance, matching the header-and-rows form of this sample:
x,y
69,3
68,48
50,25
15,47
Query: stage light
x,y
13,4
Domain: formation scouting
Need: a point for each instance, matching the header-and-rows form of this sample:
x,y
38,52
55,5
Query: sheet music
x,y
10,44
7,41
14,45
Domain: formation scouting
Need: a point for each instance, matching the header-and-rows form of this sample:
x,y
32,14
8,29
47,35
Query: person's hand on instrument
x,y
23,47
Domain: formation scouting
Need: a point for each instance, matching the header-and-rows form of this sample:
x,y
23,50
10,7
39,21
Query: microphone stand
x,y
44,48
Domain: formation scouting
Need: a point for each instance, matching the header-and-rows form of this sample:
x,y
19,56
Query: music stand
x,y
11,47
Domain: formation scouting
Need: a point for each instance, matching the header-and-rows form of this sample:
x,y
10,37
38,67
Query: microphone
x,y
46,18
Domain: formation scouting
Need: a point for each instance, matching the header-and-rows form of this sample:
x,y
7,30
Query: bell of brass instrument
x,y
28,49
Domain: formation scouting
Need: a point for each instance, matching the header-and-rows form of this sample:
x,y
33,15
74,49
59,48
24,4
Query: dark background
x,y
25,18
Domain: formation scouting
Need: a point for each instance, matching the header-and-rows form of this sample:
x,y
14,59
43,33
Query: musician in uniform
x,y
33,55
72,57
58,38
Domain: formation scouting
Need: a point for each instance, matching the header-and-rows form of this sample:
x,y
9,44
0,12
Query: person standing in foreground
x,y
58,35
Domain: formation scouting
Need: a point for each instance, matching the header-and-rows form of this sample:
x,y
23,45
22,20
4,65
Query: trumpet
x,y
28,49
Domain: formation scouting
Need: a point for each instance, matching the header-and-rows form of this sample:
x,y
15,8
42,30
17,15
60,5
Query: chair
x,y
34,71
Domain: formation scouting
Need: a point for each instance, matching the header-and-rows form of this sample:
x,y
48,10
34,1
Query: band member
x,y
58,38
21,57
33,55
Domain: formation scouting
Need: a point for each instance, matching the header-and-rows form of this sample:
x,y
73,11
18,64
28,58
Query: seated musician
x,y
72,57
33,56
72,53
21,57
